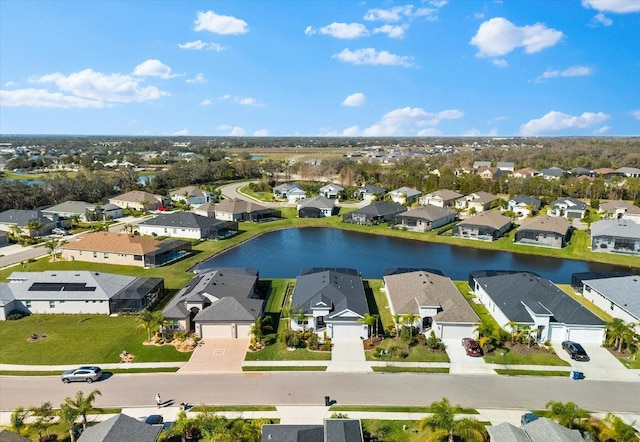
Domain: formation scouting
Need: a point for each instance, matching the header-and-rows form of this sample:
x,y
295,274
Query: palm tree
x,y
146,320
619,333
68,415
161,322
181,426
18,418
410,320
34,227
615,429
82,405
396,322
16,231
302,317
444,425
369,321
565,413
44,416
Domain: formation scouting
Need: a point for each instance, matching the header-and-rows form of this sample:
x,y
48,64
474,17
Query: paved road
x,y
299,388
22,255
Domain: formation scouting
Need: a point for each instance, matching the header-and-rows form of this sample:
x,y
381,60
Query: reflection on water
x,y
283,253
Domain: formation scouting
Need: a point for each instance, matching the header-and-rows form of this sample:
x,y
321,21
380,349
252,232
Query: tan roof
x,y
553,224
490,219
137,196
114,243
188,191
447,194
612,206
409,291
237,206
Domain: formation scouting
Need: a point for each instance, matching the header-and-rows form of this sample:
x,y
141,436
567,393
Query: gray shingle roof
x,y
343,430
528,200
343,287
183,219
10,436
506,432
292,433
235,205
381,208
514,292
447,194
22,217
545,430
121,428
620,228
624,291
406,191
428,212
79,207
319,202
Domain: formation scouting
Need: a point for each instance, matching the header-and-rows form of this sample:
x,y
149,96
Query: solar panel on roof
x,y
60,286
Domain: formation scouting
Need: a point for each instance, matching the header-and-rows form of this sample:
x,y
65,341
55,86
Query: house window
x,y
52,304
106,256
612,306
95,254
174,325
27,304
137,257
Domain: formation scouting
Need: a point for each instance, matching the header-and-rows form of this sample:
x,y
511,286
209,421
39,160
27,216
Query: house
x,y
552,173
332,430
619,209
440,198
316,207
540,430
10,436
607,172
424,218
192,195
187,225
530,301
479,164
581,171
480,201
332,301
29,222
405,195
618,295
240,210
4,238
139,200
290,192
506,166
616,236
331,191
526,172
434,301
84,211
370,192
487,226
524,206
374,213
630,172
568,208
208,210
121,428
545,231
76,291
489,173
124,249
218,303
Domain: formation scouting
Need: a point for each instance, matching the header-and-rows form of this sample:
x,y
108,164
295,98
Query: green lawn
x,y
442,370
506,357
78,339
277,351
396,431
284,368
543,373
417,353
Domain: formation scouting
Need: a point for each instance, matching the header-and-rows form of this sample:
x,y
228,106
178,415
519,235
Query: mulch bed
x,y
368,345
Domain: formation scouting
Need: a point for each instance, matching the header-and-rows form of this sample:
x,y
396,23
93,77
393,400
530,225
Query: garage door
x,y
586,336
348,331
244,330
216,331
450,331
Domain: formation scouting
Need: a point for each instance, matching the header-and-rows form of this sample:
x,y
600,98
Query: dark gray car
x,y
575,350
86,373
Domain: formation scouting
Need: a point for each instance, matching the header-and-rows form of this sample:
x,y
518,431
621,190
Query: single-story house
x,y
291,192
139,200
85,211
552,173
619,209
192,195
480,201
187,225
333,430
524,205
77,291
331,191
15,220
440,198
616,236
526,172
124,249
617,295
581,171
370,192
10,436
4,238
207,209
528,300
218,303
332,300
435,301
405,195
424,218
540,430
489,173
121,428
481,163
607,173
506,166
544,231
568,208
240,210
630,172
375,213
316,207
487,226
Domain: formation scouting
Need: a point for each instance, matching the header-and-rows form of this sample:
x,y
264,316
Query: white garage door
x,y
450,331
225,331
244,330
585,336
558,333
347,331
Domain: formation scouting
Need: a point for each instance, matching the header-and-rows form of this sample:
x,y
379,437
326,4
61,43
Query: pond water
x,y
283,253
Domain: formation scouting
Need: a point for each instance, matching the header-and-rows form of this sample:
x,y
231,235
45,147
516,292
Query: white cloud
x,y
498,36
476,133
372,57
154,68
237,132
181,132
615,6
398,13
220,24
409,121
10,84
340,30
44,98
601,130
357,99
500,62
199,78
555,121
116,88
573,71
635,114
248,101
429,132
352,131
225,126
601,19
393,31
206,102
200,45
261,133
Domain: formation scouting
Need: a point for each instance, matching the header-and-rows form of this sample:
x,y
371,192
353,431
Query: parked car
x,y
471,347
575,350
59,231
86,373
154,419
528,417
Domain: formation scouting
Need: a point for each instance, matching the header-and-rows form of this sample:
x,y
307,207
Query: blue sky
x,y
320,68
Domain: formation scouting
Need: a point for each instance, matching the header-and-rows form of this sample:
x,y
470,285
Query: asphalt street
x,y
310,388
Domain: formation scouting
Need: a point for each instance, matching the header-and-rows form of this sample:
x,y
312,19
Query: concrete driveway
x,y
601,366
347,355
460,363
217,356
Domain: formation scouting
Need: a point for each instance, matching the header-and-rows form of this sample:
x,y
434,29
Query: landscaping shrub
x,y
14,315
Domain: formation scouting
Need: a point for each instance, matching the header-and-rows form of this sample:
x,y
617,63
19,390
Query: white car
x,y
59,231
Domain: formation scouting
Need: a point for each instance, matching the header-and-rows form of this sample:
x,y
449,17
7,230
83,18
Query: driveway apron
x,y
460,363
217,356
602,366
347,355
